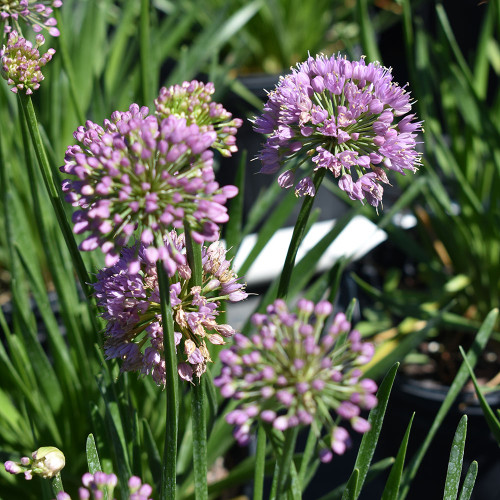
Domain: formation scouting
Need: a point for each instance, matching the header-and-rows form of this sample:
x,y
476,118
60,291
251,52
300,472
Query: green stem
x,y
50,255
306,456
297,236
260,464
57,485
274,484
55,199
169,470
68,67
285,460
193,254
199,442
199,421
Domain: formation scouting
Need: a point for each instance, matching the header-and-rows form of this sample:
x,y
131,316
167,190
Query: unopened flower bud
x,y
48,461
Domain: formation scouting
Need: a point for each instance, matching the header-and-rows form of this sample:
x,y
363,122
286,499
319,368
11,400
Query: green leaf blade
x,y
455,463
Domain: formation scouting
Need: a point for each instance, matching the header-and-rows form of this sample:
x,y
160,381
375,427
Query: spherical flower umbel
x,y
193,101
131,303
348,117
144,172
290,374
21,63
95,485
46,462
38,13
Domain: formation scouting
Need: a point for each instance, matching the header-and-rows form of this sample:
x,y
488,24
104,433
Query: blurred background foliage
x,y
55,386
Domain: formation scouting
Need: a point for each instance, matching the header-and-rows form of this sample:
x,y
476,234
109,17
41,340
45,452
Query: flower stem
x,y
47,239
169,470
285,460
193,254
260,463
55,199
57,485
199,442
306,456
199,421
297,236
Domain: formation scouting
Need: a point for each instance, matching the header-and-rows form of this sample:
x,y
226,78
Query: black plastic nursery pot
x,y
425,397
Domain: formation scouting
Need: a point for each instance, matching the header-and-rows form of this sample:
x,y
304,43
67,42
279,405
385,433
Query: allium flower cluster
x,y
38,14
46,462
21,63
350,117
131,302
145,172
193,101
289,374
96,485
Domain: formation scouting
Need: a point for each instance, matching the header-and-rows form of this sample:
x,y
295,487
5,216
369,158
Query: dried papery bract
x,y
289,374
347,117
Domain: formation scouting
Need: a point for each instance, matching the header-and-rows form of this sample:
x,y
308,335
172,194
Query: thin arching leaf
x,y
392,485
477,347
491,419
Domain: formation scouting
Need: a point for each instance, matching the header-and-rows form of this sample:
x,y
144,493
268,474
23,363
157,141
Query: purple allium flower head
x,y
146,173
131,303
311,375
21,64
37,13
349,117
46,462
193,101
98,484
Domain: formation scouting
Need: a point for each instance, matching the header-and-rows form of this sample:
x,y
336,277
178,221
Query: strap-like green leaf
x,y
370,438
477,347
115,429
151,448
392,485
352,486
367,32
234,224
455,463
93,461
491,419
469,481
375,470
